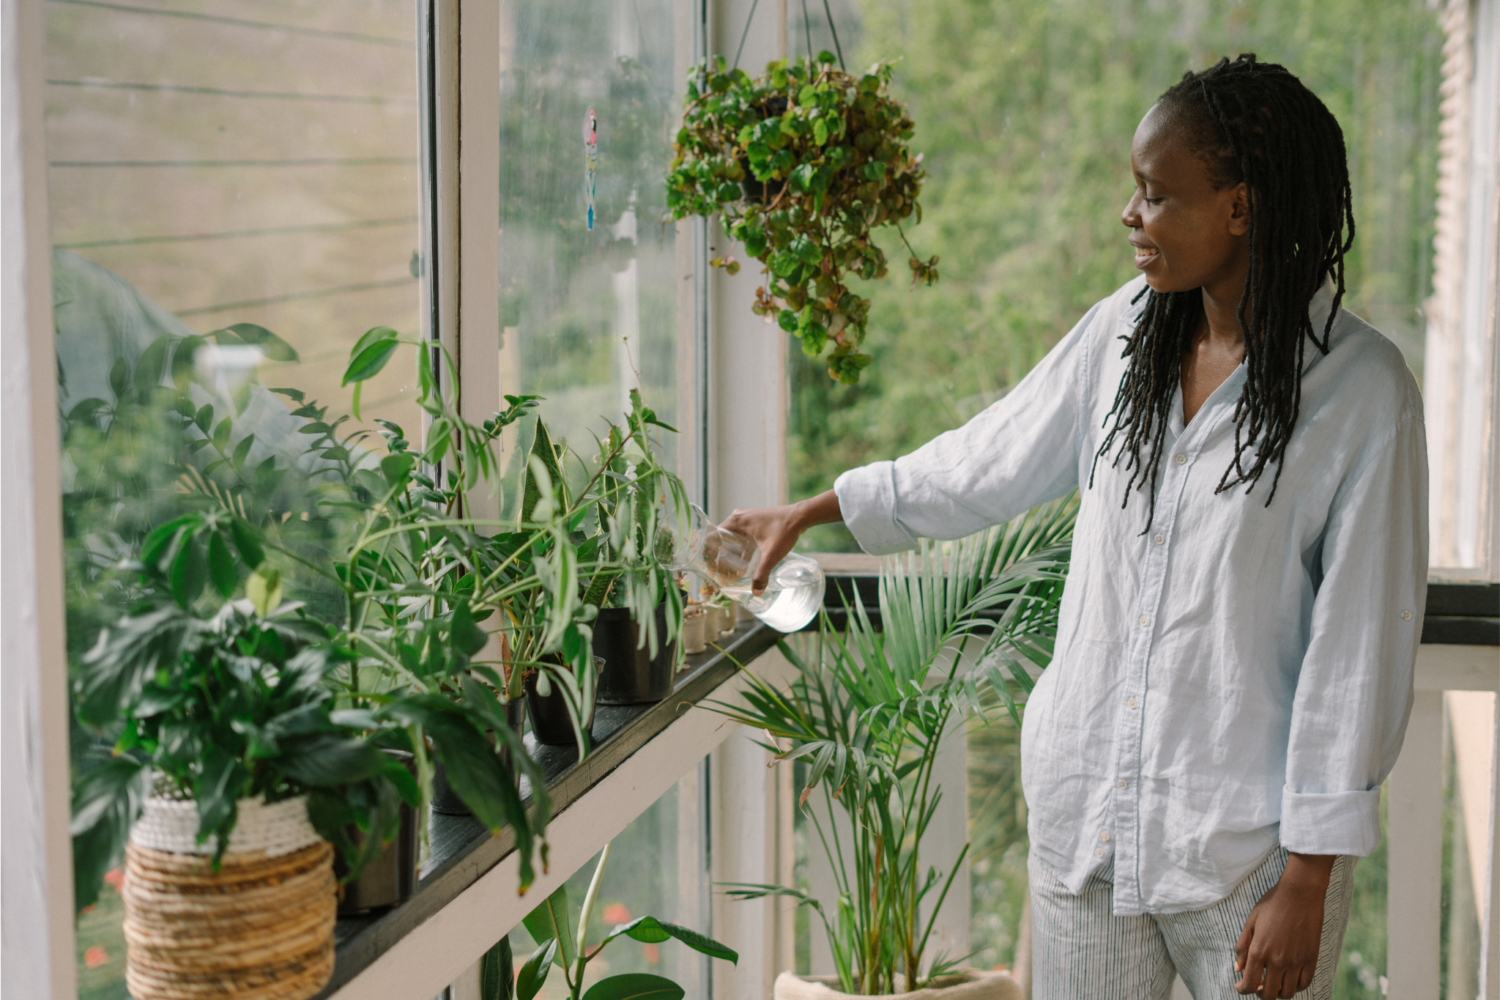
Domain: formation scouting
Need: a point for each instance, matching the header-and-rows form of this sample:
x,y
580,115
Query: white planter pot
x,y
965,984
695,633
260,927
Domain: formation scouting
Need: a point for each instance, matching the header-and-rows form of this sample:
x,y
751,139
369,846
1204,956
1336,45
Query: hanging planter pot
x,y
549,713
802,163
257,927
964,984
632,676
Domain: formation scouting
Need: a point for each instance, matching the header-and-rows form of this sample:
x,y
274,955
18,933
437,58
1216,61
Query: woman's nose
x,y
1131,216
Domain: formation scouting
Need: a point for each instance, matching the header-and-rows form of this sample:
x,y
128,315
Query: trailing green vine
x,y
802,162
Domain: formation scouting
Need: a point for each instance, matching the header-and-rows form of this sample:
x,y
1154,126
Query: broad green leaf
x,y
534,971
247,543
221,566
368,363
635,986
550,920
270,345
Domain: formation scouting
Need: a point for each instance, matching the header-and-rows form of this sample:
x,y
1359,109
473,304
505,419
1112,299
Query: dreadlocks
x,y
1254,123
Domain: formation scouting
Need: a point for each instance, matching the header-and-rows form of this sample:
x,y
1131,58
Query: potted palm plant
x,y
868,709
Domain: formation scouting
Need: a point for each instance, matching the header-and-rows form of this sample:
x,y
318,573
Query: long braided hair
x,y
1254,123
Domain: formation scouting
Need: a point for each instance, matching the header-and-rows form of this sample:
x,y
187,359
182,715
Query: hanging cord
x,y
833,31
807,31
745,34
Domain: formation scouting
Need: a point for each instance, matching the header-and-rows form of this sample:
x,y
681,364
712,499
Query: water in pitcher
x,y
690,541
791,598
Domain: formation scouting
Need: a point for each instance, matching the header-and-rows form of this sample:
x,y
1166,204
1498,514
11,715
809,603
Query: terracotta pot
x,y
695,631
965,984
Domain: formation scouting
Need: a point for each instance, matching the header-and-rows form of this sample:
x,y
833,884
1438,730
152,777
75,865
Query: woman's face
x,y
1186,233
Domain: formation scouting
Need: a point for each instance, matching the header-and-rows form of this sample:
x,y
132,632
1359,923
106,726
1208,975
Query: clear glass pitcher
x,y
688,540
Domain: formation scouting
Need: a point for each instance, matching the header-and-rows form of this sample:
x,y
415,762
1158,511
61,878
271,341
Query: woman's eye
x,y
1153,201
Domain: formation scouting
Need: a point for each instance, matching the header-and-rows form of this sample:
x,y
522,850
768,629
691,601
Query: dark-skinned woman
x,y
1233,671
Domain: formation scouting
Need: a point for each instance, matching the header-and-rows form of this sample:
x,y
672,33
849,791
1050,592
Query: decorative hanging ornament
x,y
590,161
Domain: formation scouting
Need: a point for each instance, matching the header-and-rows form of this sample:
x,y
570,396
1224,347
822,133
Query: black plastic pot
x,y
632,676
389,879
445,800
549,715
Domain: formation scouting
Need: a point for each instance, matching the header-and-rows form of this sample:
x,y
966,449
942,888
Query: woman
x,y
1233,670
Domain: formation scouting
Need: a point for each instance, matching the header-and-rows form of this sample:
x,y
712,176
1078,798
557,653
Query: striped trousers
x,y
1082,951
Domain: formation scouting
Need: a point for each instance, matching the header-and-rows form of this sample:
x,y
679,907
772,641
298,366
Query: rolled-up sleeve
x,y
1354,690
1021,451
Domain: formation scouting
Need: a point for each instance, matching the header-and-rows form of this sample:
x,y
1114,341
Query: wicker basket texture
x,y
258,928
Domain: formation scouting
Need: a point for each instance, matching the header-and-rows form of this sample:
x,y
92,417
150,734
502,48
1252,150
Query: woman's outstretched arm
x,y
776,529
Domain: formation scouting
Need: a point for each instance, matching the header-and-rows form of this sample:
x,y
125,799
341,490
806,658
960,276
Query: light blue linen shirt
x,y
1241,675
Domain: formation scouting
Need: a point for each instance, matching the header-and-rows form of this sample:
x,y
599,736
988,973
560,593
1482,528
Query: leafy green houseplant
x,y
220,708
868,711
802,162
550,925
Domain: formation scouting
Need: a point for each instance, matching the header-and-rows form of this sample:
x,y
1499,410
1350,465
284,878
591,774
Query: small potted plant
x,y
550,925
230,779
803,163
872,747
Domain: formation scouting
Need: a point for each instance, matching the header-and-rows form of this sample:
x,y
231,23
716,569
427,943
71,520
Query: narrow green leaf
x,y
368,363
221,566
534,971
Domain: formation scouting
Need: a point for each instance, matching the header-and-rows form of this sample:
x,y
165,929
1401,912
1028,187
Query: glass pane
x,y
588,268
216,163
1024,114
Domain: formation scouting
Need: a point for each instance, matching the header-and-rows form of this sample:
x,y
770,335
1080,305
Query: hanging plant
x,y
802,162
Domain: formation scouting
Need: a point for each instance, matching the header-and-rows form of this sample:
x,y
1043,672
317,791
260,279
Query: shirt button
x,y
1179,458
1144,620
1104,836
1158,539
1099,853
1406,616
1131,703
1121,783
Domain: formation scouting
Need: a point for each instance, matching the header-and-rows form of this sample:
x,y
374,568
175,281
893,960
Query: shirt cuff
x,y
1330,822
867,501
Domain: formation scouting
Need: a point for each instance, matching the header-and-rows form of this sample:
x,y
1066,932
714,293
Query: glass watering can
x,y
688,540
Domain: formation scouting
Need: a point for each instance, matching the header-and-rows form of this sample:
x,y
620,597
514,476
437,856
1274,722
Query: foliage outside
x,y
869,710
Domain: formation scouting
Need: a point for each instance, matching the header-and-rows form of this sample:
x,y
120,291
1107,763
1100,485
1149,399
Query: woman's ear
x,y
1239,209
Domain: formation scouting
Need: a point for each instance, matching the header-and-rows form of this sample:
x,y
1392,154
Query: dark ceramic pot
x,y
549,715
632,675
445,800
389,879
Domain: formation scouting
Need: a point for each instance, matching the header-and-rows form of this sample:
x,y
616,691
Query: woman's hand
x,y
776,529
1278,950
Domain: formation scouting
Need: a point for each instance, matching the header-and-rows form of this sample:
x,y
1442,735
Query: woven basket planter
x,y
966,984
259,928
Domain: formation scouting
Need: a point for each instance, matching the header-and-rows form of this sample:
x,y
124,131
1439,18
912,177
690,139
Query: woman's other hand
x,y
1277,953
776,529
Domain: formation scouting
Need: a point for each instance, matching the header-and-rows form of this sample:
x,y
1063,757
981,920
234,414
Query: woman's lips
x,y
1144,256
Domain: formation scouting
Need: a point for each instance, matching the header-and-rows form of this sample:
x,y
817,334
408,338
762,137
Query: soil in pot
x,y
549,715
632,675
391,877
